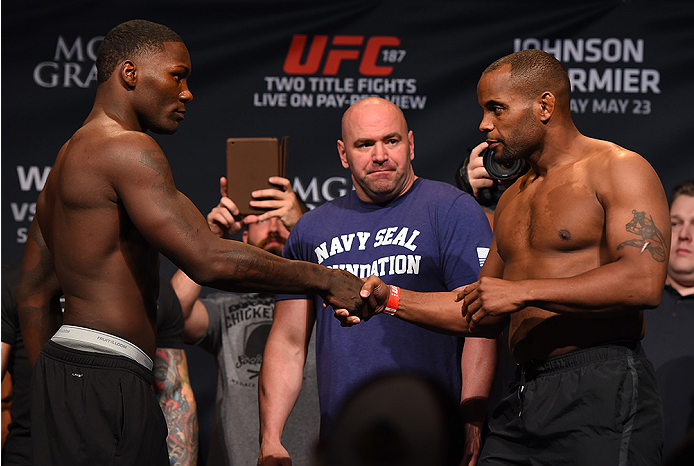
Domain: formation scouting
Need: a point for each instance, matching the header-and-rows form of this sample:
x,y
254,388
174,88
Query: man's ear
x,y
410,142
342,150
129,73
547,103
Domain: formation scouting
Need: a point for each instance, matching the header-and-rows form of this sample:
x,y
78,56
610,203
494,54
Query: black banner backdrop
x,y
290,68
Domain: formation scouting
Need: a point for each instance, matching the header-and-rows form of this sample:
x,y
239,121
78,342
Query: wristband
x,y
393,301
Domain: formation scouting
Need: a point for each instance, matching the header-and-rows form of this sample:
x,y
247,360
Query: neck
x,y
557,147
683,287
114,105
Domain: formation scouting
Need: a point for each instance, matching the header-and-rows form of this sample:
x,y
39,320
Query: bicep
x,y
637,221
163,215
197,323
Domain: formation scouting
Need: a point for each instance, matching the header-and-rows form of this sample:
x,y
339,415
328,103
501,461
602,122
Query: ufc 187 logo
x,y
306,59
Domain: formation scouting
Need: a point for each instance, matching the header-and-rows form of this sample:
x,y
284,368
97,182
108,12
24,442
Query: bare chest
x,y
548,217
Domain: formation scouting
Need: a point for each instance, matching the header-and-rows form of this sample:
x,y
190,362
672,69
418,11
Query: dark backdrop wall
x,y
290,68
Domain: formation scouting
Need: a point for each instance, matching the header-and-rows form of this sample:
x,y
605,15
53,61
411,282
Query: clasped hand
x,y
375,294
489,297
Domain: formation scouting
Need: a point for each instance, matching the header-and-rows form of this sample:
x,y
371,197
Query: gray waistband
x,y
87,339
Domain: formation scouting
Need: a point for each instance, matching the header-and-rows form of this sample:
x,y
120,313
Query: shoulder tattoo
x,y
155,160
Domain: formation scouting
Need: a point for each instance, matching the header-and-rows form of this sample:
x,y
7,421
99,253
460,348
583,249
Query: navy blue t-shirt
x,y
432,238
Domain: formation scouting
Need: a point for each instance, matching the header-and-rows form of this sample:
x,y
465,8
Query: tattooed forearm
x,y
650,239
172,386
253,269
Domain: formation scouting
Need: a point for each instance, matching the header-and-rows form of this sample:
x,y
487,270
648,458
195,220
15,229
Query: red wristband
x,y
393,301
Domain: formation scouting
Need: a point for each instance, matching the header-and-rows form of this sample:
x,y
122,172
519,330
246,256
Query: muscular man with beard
x,y
580,250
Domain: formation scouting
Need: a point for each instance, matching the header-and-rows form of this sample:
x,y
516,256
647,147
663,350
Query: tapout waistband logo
x,y
342,48
72,65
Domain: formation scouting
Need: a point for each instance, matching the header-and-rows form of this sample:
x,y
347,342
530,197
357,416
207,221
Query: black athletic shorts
x,y
596,406
94,409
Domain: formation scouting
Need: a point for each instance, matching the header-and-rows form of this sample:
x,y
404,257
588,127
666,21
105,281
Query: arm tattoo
x,y
650,237
172,387
163,190
155,160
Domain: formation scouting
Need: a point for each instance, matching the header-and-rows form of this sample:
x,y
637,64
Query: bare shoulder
x,y
613,157
102,159
634,200
615,169
120,142
122,151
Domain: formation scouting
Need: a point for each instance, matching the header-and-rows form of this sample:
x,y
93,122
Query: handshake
x,y
372,297
478,309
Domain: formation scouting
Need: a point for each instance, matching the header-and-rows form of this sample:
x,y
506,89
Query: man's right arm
x,y
171,223
440,312
281,375
436,311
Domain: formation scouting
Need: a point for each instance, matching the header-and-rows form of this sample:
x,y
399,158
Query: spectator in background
x,y
669,338
411,231
234,328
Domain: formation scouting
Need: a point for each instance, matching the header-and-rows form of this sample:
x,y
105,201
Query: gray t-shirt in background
x,y
238,329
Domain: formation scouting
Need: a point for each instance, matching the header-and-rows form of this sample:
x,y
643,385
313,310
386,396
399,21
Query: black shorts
x,y
94,409
597,406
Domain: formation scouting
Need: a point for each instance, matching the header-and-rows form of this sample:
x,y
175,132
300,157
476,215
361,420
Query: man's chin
x,y
274,248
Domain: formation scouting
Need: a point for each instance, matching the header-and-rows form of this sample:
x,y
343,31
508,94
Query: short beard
x,y
276,249
507,157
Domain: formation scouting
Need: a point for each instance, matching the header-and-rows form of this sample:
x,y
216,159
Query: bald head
x,y
370,105
378,149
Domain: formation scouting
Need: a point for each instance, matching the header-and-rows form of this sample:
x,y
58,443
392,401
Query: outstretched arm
x,y
38,294
175,395
222,221
437,311
172,224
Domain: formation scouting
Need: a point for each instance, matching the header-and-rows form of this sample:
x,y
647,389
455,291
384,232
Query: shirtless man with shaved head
x,y
580,250
107,211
